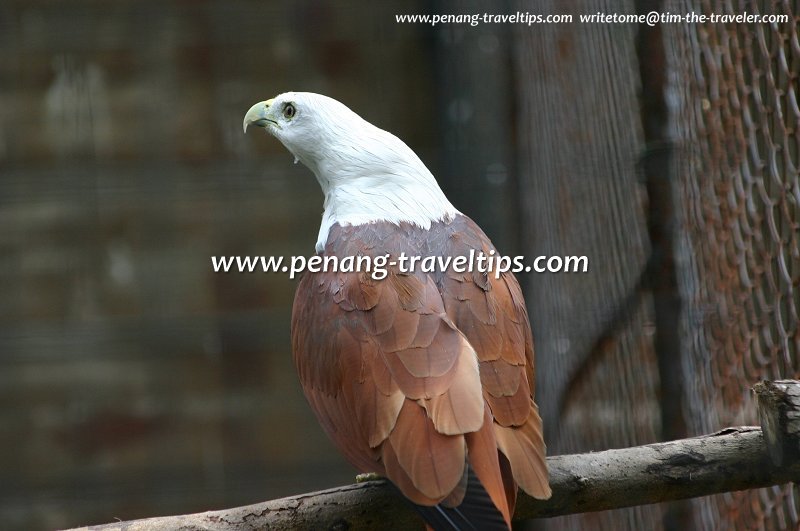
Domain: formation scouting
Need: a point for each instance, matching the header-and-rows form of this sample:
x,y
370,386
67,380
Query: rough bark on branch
x,y
779,412
729,460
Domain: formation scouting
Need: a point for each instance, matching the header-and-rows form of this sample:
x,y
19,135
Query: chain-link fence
x,y
718,152
736,119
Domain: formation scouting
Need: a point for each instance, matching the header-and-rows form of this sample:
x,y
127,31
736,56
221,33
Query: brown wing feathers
x,y
422,377
491,314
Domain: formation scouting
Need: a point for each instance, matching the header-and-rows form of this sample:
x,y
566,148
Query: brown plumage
x,y
423,376
426,378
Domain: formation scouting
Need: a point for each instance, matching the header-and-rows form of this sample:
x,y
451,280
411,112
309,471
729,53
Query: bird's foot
x,y
369,476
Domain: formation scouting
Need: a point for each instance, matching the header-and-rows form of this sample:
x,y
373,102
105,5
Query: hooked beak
x,y
259,115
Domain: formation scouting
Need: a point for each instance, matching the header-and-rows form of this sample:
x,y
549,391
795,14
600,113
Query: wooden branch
x,y
729,460
779,411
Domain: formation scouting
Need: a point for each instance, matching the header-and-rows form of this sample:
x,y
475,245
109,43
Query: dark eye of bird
x,y
289,110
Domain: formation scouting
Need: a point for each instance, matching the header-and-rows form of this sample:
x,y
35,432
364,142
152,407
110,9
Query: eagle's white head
x,y
366,173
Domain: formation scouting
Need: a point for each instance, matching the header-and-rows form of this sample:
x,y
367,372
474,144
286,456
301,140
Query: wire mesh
x,y
736,119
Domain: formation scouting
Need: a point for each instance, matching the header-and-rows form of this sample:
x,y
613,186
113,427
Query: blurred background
x,y
135,382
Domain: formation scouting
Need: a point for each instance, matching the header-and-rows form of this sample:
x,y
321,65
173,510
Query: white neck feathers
x,y
367,174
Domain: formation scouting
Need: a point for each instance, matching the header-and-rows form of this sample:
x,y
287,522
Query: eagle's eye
x,y
289,111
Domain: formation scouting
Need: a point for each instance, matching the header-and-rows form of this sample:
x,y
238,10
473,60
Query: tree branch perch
x,y
729,460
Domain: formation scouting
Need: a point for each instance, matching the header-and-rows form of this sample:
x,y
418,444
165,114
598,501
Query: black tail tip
x,y
476,513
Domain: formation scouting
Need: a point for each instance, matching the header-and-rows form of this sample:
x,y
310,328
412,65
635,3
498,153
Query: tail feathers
x,y
475,513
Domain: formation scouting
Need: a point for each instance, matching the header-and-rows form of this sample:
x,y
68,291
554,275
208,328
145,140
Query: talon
x,y
369,476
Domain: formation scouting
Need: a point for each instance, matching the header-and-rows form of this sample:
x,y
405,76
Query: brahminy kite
x,y
425,378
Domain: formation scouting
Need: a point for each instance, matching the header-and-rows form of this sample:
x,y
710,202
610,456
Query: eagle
x,y
423,377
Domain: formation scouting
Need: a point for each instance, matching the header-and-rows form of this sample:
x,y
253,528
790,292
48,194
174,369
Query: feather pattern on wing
x,y
422,376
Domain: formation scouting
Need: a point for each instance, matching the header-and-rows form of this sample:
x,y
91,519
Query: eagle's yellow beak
x,y
259,115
